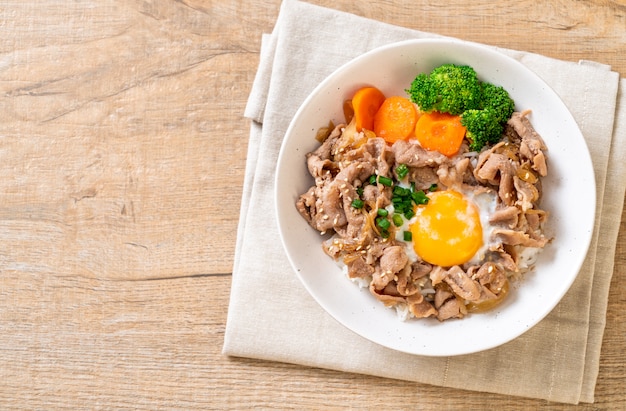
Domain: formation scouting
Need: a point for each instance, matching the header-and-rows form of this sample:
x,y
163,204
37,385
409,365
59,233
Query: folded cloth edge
x,y
609,230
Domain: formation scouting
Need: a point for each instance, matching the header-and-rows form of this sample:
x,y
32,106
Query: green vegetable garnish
x,y
402,171
397,220
383,223
386,181
357,203
408,236
484,107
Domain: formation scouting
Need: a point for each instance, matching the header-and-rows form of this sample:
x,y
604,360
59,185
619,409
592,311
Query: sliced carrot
x,y
396,119
365,103
441,132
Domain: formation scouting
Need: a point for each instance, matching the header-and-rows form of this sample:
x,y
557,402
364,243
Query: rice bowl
x,y
555,269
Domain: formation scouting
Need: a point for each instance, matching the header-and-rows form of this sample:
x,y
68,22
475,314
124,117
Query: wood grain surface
x,y
122,155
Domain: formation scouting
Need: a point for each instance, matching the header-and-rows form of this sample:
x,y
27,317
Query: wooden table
x,y
122,154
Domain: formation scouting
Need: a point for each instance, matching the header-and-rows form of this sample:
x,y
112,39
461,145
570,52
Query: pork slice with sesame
x,y
408,277
447,305
355,173
306,205
331,213
491,276
497,170
423,177
383,155
527,194
377,194
375,152
327,148
358,267
513,237
414,155
453,175
393,260
507,216
320,162
461,284
535,219
419,307
380,280
532,146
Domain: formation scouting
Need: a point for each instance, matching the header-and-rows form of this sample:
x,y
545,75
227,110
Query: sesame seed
x,y
335,220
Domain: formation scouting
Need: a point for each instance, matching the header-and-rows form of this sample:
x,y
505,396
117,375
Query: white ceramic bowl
x,y
392,68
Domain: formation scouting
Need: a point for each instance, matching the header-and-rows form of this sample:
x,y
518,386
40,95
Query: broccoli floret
x,y
485,125
483,107
448,88
482,127
423,92
498,99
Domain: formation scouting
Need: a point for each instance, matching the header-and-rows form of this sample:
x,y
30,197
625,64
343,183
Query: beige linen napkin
x,y
271,316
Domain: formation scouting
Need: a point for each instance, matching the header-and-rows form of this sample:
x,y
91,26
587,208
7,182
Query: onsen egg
x,y
452,228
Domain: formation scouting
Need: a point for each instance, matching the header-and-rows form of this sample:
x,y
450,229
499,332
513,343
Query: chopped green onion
x,y
419,197
409,214
384,233
397,200
386,181
433,187
397,220
400,191
383,223
357,203
408,236
382,212
359,191
372,179
402,170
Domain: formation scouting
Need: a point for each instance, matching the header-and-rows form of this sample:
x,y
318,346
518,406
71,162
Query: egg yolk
x,y
447,230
